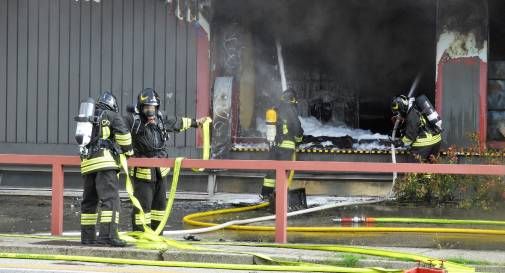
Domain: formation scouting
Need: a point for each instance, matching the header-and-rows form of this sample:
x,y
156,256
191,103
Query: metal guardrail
x,y
280,167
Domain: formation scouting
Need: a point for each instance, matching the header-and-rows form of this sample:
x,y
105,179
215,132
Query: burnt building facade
x,y
346,59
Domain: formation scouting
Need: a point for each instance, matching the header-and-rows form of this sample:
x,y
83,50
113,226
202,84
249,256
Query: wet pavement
x,y
31,214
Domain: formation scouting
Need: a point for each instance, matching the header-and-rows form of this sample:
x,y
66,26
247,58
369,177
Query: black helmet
x,y
108,101
400,104
148,97
289,95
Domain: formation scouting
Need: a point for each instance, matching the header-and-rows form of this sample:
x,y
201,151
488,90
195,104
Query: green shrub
x,y
464,190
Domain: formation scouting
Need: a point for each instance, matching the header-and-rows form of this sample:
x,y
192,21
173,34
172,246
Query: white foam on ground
x,y
312,126
244,199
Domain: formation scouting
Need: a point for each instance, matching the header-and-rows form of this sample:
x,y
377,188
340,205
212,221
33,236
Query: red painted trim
x,y
483,105
202,78
57,200
281,206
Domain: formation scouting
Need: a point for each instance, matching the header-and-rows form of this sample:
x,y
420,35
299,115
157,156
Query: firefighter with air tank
x,y
420,127
150,129
103,137
284,132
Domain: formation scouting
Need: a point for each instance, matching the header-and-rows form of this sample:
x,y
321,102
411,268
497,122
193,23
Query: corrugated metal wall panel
x,y
12,66
64,121
191,81
42,71
3,69
74,65
33,42
53,53
53,70
170,63
127,53
22,71
180,80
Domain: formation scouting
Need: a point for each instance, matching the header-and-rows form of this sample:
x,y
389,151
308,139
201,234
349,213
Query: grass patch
x,y
463,261
348,260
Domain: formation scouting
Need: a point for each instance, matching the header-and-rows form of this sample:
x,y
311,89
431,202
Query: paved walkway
x,y
487,261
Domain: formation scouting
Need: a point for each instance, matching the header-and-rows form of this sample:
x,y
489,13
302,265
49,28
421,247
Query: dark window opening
x,y
345,59
496,72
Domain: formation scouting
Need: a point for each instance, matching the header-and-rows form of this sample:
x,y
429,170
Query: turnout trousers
x,y
277,153
152,196
100,187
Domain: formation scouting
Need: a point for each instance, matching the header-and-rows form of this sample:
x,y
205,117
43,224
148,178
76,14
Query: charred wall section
x,y
350,56
462,62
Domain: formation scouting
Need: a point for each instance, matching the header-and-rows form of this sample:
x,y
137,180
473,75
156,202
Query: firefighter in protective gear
x,y
150,130
100,167
289,133
416,132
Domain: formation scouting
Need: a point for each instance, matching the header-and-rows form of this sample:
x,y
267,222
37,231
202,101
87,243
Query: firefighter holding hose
x,y
284,132
420,127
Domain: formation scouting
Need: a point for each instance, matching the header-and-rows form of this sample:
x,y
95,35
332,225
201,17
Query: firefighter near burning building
x,y
150,129
284,132
420,127
103,137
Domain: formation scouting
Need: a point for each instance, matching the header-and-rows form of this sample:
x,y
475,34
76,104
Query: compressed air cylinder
x,y
84,126
428,110
271,120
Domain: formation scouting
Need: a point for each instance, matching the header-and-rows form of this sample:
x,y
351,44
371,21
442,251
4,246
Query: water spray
x,y
393,134
280,59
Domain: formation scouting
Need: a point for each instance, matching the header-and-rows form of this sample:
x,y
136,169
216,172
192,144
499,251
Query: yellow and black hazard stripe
x,y
378,152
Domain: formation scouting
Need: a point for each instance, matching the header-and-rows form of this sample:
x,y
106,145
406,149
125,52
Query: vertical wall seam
x,y
17,72
37,85
68,74
165,98
27,65
48,71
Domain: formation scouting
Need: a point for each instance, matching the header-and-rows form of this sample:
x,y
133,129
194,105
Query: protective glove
x,y
200,121
396,142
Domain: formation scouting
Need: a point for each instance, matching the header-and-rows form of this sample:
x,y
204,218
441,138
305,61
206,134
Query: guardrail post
x,y
57,200
281,205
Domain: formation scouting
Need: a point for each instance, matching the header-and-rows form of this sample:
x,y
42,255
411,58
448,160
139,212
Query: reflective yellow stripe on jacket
x,y
123,139
103,161
427,141
186,124
287,144
164,171
145,173
141,173
269,182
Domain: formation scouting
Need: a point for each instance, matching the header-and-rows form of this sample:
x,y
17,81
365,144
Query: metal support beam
x,y
281,206
57,200
211,184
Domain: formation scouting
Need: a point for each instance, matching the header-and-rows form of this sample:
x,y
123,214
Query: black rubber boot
x,y
108,236
88,235
155,224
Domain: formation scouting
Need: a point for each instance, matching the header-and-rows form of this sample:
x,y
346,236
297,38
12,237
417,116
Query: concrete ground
x,y
15,218
484,261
